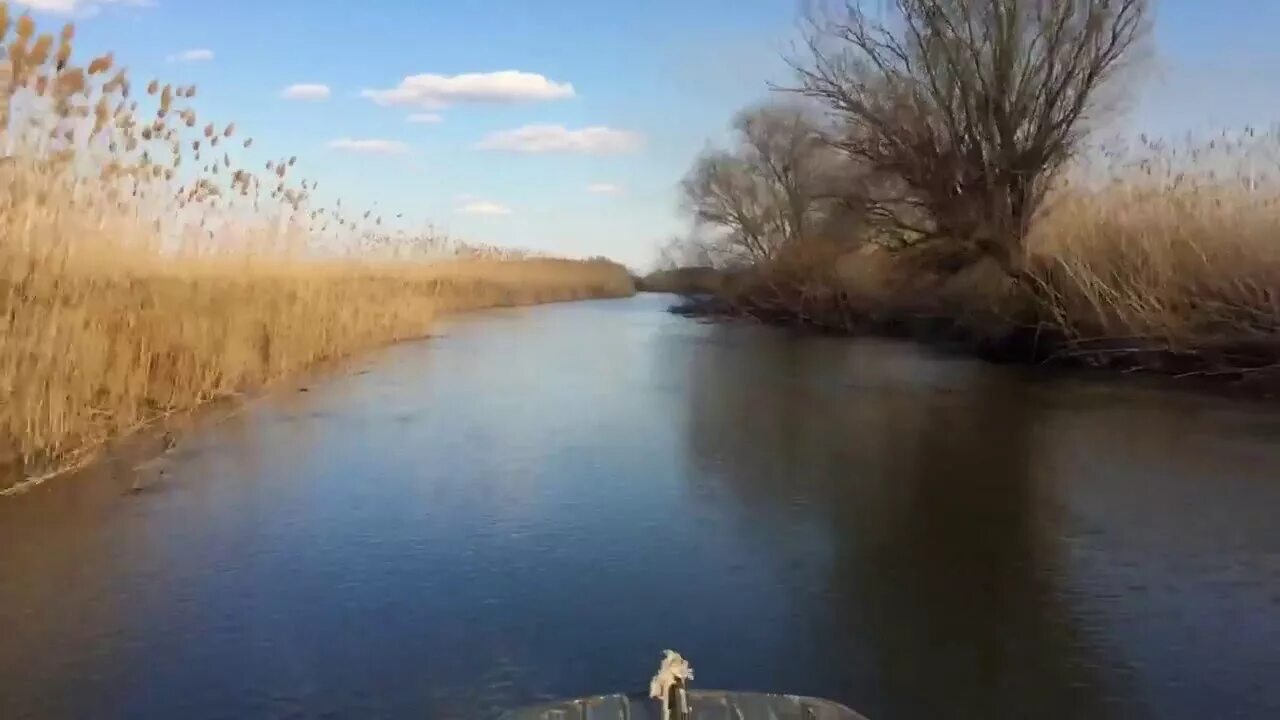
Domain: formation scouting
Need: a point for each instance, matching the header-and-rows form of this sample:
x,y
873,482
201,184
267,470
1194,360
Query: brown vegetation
x,y
684,280
967,203
145,269
1171,262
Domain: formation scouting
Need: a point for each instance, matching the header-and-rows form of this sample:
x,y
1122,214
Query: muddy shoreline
x,y
1250,375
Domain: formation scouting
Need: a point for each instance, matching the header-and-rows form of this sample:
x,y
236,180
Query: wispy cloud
x,y
431,92
483,207
309,92
370,146
193,55
604,189
424,118
79,7
597,140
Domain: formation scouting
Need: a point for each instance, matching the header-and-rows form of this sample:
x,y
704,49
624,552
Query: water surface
x,y
539,501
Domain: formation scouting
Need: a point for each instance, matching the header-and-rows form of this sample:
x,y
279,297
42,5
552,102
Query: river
x,y
536,502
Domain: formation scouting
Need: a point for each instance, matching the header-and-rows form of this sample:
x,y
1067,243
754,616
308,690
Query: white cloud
x,y
193,55
604,189
424,118
370,146
483,207
436,91
559,139
311,92
53,6
78,7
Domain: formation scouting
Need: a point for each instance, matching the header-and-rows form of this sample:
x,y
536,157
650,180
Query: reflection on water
x,y
942,596
538,502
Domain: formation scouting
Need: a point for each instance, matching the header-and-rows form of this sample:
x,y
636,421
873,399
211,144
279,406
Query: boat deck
x,y
703,705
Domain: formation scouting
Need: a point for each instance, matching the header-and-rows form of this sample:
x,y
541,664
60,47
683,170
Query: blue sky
x,y
656,78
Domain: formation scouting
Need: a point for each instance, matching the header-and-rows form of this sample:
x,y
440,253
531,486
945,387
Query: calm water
x,y
538,502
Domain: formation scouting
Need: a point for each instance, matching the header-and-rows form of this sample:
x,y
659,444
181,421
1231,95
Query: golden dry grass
x,y
144,269
1178,250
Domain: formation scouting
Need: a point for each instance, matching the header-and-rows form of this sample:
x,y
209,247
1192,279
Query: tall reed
x,y
145,268
1171,248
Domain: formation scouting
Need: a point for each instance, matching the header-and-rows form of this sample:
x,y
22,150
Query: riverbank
x,y
1000,342
1246,367
1155,295
145,270
1166,264
87,357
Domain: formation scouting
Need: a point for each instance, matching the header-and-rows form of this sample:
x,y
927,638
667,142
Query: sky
x,y
556,125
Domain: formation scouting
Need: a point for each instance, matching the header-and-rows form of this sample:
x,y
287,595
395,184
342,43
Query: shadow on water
x,y
940,594
995,548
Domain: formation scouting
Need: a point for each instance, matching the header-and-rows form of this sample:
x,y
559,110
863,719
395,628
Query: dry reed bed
x,y
93,356
145,270
1176,254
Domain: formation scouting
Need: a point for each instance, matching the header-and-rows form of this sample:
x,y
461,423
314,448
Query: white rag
x,y
672,670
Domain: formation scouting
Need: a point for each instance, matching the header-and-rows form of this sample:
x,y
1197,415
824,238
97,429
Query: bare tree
x,y
966,109
769,191
680,251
